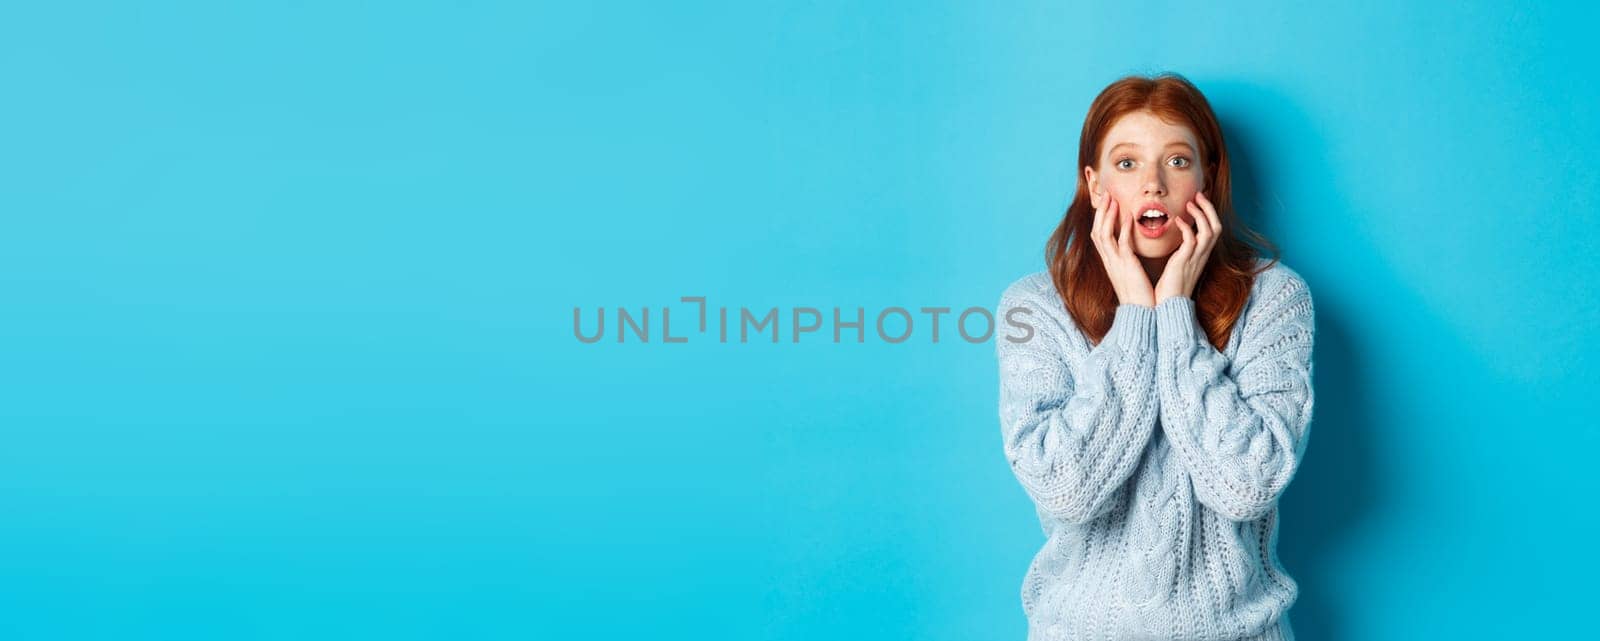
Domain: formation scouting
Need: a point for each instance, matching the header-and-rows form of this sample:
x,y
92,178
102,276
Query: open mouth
x,y
1153,219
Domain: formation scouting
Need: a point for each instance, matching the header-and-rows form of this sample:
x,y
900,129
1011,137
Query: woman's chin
x,y
1153,250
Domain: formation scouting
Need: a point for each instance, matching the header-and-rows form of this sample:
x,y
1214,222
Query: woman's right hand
x,y
1113,240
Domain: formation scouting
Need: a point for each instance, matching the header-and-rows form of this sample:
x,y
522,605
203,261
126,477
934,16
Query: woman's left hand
x,y
1183,268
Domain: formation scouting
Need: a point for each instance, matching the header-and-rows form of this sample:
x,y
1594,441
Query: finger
x,y
1099,224
1213,232
1108,225
1207,214
1215,222
1188,237
1201,223
1216,219
1211,212
1094,219
1127,231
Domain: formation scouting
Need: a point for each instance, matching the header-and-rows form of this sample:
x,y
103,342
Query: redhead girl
x,y
1161,403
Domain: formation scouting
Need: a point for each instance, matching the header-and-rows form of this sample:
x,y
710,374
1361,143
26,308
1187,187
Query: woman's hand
x,y
1113,240
1183,268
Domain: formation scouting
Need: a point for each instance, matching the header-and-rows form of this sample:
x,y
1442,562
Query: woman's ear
x,y
1093,182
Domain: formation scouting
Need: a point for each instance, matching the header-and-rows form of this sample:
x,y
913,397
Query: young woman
x,y
1159,402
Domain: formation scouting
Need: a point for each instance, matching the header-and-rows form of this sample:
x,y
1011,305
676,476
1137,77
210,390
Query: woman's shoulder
x,y
1279,294
1032,304
1034,294
1036,287
1278,281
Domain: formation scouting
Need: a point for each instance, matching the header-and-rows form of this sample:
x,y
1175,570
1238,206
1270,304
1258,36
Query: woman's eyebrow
x,y
1134,144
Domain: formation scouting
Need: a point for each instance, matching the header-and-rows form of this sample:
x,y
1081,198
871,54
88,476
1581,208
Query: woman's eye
x,y
1180,161
1125,164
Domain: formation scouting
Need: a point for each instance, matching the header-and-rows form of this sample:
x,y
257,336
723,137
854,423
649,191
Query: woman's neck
x,y
1153,268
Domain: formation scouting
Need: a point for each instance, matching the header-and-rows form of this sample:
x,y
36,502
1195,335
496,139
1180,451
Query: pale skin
x,y
1143,160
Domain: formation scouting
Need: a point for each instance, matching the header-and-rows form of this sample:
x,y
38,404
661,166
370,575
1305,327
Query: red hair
x,y
1075,266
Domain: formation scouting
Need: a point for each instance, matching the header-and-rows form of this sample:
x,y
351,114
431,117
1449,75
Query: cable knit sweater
x,y
1155,462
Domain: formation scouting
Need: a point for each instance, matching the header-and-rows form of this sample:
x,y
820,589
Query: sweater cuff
x,y
1176,321
1133,326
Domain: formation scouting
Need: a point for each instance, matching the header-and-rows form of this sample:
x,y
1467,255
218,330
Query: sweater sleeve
x,y
1240,428
1072,441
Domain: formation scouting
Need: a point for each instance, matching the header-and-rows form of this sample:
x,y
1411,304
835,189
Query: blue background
x,y
288,290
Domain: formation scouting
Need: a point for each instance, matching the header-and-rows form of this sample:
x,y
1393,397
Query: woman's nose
x,y
1154,186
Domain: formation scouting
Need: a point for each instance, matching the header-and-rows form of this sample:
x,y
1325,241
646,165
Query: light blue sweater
x,y
1155,462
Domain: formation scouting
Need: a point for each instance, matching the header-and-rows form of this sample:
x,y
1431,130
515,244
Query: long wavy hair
x,y
1075,266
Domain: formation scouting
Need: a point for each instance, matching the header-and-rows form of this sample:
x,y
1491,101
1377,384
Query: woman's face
x,y
1147,163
